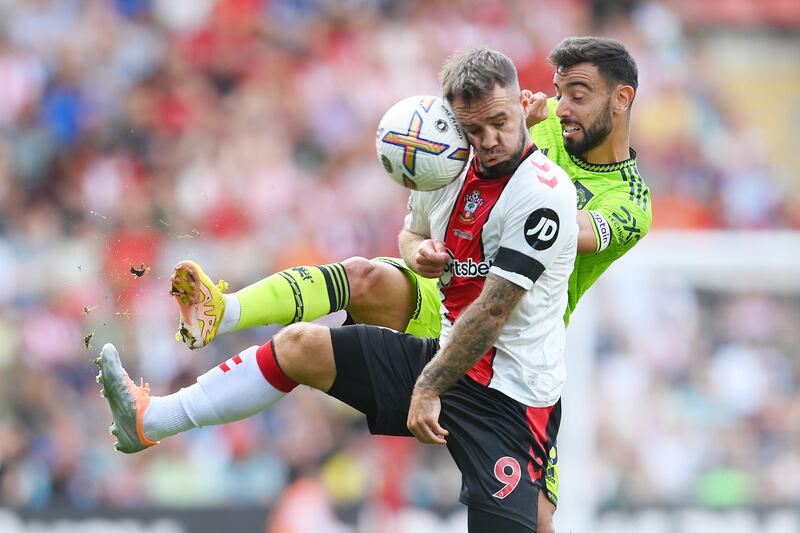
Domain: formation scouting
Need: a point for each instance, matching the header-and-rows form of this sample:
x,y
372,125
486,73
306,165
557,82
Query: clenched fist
x,y
431,258
537,107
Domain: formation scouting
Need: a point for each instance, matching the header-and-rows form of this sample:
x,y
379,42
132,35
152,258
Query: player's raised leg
x,y
382,292
372,291
245,384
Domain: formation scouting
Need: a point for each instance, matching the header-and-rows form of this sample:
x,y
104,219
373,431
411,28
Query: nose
x,y
562,109
489,139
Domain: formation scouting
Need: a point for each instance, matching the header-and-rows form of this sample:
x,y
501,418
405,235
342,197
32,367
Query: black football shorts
x,y
500,445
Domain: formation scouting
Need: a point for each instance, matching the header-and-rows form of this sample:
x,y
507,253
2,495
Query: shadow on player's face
x,y
584,107
495,127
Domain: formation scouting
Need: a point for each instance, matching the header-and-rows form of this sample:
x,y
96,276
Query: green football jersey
x,y
615,196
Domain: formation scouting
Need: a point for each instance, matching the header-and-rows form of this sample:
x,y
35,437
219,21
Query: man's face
x,y
584,107
495,127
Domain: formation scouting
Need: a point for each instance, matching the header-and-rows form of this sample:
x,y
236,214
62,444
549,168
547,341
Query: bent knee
x,y
299,339
363,276
305,354
293,334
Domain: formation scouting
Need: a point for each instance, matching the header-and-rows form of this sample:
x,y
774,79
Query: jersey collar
x,y
532,148
605,167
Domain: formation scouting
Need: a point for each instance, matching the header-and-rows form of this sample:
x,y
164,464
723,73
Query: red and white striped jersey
x,y
521,227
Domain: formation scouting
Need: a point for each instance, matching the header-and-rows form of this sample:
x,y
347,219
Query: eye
x,y
499,124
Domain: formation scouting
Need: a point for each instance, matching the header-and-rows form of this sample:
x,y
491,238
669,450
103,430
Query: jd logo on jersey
x,y
541,229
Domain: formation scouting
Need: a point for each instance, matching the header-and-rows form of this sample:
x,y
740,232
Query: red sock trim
x,y
271,370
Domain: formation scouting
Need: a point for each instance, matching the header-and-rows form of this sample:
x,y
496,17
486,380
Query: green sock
x,y
298,294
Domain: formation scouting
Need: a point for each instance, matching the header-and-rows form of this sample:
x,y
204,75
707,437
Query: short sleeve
x,y
619,221
418,219
539,223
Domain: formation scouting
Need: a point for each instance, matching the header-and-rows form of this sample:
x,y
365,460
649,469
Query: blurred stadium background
x,y
239,133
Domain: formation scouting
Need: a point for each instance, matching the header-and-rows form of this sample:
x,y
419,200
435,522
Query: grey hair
x,y
473,74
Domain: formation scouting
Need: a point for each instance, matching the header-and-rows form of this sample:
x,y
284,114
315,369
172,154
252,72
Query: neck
x,y
614,149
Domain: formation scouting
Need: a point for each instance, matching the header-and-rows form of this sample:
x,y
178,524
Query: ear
x,y
623,98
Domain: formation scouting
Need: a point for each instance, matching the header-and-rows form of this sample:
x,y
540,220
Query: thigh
x,y
376,369
499,446
425,319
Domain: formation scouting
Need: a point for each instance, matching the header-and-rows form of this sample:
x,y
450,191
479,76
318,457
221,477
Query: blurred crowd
x,y
240,133
696,395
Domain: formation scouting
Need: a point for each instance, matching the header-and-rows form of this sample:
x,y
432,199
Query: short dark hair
x,y
611,58
473,74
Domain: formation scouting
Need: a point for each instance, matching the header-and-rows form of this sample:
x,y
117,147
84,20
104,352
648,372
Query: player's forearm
x,y
587,240
473,334
408,242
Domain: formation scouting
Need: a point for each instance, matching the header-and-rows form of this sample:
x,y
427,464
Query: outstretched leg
x,y
372,291
240,387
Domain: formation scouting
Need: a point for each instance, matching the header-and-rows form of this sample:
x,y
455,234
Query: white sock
x,y
233,311
232,391
166,416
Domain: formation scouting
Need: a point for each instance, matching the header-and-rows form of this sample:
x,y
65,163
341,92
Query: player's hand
x,y
431,258
423,417
537,107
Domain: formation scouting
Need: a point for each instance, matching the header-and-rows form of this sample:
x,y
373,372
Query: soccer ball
x,y
420,143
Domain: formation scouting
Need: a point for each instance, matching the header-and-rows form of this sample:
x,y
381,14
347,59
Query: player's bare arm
x,y
407,243
587,241
427,257
473,334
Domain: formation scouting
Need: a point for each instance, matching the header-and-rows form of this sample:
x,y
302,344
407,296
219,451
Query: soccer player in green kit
x,y
585,130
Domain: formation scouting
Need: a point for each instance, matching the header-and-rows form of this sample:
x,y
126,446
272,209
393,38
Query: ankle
x,y
166,416
231,314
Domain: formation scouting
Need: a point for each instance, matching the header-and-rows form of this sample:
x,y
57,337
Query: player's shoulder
x,y
539,175
625,184
432,197
609,173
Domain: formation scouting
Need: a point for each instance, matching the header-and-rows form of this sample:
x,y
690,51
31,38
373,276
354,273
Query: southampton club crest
x,y
472,202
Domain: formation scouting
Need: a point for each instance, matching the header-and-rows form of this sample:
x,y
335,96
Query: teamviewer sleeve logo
x,y
541,229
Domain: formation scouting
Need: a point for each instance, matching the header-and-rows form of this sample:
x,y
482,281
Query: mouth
x,y
570,130
491,160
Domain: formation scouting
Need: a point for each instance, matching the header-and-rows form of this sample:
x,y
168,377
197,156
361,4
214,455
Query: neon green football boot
x,y
201,304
